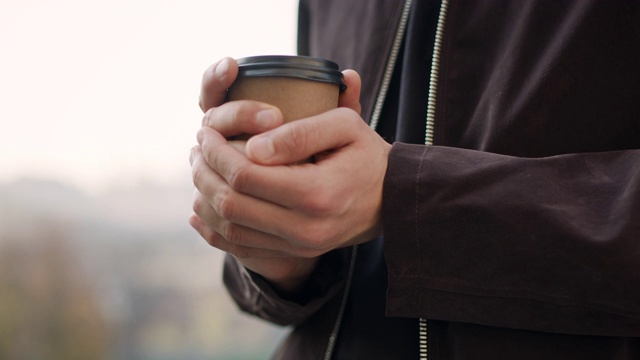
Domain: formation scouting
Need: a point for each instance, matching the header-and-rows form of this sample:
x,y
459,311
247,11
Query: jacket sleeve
x,y
547,244
253,294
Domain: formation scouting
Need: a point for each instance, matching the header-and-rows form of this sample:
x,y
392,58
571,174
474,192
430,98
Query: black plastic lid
x,y
302,67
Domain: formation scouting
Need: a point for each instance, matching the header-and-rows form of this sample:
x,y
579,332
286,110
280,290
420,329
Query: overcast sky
x,y
98,93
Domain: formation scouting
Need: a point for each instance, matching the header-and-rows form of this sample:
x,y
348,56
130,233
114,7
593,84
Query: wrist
x,y
291,283
328,270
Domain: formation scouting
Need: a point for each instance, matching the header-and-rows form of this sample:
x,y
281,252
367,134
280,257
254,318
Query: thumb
x,y
299,140
350,97
215,82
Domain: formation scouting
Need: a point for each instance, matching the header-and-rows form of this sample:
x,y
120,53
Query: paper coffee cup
x,y
299,86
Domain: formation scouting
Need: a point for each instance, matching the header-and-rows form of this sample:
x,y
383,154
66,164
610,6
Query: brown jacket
x,y
517,233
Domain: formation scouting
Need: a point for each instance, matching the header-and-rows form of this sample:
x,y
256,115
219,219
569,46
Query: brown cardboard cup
x,y
299,86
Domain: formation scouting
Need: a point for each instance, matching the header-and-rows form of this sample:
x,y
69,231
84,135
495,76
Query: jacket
x,y
515,232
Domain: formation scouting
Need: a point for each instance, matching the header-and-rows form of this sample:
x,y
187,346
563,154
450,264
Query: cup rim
x,y
296,66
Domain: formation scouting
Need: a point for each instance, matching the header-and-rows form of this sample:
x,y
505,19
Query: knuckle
x,y
242,112
297,140
319,204
213,240
198,205
224,203
319,207
349,115
232,233
350,118
197,175
239,176
202,187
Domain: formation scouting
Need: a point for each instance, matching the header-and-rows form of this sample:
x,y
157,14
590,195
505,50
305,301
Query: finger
x,y
221,173
242,117
216,240
215,82
217,159
350,97
215,147
301,139
218,202
234,233
246,220
297,203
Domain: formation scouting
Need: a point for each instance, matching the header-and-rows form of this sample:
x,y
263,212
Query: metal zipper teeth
x,y
375,118
435,72
428,135
423,338
391,63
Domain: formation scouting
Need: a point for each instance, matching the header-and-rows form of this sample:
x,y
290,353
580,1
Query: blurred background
x,y
98,112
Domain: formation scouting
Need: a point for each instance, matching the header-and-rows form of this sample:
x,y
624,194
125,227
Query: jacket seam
x,y
417,208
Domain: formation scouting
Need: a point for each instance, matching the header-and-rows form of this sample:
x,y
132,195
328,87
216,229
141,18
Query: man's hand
x,y
278,218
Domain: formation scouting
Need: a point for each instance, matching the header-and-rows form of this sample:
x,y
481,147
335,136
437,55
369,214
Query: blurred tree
x,y
48,309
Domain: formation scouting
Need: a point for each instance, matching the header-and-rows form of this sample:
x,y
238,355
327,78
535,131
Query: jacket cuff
x,y
254,295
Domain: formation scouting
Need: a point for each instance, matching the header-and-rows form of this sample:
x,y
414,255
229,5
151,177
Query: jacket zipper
x,y
373,123
428,135
435,72
375,118
391,64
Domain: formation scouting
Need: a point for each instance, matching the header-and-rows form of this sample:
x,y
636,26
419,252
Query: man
x,y
505,216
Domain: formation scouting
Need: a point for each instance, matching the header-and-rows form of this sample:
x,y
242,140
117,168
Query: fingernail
x,y
262,148
221,68
266,118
